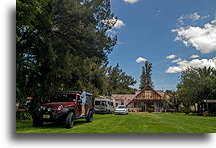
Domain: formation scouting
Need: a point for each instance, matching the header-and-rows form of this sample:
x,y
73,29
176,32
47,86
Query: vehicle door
x,y
111,106
78,109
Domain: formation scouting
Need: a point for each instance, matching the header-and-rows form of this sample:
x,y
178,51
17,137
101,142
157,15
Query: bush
x,y
23,116
186,110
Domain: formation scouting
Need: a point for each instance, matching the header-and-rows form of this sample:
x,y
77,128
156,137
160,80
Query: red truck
x,y
63,106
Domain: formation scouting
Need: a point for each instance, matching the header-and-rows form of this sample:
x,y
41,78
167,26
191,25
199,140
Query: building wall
x,y
147,100
148,96
122,99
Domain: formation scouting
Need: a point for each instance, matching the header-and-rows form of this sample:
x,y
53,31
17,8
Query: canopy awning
x,y
210,101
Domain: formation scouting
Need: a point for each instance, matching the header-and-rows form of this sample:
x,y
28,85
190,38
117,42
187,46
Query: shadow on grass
x,y
61,124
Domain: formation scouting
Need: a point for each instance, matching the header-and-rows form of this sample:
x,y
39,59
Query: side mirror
x,y
79,101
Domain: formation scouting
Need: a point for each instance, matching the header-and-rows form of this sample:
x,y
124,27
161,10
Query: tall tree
x,y
55,37
146,75
119,81
173,99
31,19
63,45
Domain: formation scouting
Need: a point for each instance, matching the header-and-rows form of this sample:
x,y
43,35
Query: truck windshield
x,y
102,103
63,98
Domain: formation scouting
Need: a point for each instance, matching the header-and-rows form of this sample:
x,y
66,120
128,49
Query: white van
x,y
104,105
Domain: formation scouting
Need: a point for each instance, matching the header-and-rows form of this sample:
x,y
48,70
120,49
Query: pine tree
x,y
119,81
146,75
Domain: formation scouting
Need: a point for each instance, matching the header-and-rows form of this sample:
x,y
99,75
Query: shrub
x,y
186,110
23,116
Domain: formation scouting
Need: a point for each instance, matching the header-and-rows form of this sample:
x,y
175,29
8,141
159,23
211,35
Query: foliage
x,y
23,116
186,110
173,100
64,45
197,85
119,82
146,75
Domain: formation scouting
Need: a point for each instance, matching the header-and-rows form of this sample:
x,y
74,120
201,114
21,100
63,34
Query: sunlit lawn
x,y
132,123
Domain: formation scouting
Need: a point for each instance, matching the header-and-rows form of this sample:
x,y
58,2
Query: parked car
x,y
63,106
104,105
121,109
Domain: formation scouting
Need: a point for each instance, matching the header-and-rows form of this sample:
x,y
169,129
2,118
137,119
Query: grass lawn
x,y
132,123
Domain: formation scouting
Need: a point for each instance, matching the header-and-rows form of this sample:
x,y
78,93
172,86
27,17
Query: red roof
x,y
122,96
160,92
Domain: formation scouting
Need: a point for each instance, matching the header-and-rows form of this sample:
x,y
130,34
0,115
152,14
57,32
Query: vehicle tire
x,y
37,122
69,121
90,116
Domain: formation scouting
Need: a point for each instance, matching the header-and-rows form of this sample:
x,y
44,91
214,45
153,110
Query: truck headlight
x,y
49,109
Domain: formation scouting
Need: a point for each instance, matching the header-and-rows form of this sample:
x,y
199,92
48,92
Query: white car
x,y
121,109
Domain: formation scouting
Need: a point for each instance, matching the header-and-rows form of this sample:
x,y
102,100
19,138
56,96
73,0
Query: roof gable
x,y
147,88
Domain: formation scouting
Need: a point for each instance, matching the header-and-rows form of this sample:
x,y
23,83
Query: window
x,y
148,93
122,106
63,98
97,102
136,104
103,103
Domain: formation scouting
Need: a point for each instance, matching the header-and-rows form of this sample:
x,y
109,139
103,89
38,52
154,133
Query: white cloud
x,y
172,56
118,23
140,59
173,69
195,63
192,16
131,1
177,60
203,39
194,56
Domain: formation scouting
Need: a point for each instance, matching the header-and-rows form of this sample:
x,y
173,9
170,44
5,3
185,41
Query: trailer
x,y
104,105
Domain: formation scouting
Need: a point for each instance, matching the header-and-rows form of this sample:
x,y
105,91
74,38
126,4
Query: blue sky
x,y
156,29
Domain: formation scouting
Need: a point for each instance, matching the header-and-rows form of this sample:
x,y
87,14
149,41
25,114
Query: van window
x,y
97,102
103,103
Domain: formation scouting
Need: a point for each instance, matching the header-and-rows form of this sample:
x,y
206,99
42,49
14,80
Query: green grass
x,y
132,123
